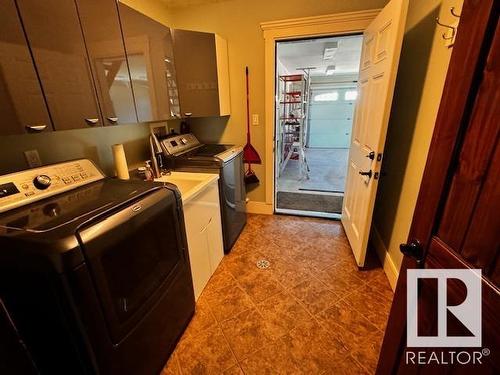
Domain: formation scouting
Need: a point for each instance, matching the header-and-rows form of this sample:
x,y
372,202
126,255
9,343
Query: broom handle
x,y
248,106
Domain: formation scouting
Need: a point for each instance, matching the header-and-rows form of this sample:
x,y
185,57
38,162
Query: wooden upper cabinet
x,y
55,37
108,62
202,73
22,105
149,52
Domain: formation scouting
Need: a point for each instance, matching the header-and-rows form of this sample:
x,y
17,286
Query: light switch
x,y
255,119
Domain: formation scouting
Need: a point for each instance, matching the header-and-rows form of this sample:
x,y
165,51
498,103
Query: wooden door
x,y
108,62
382,42
22,105
455,225
56,42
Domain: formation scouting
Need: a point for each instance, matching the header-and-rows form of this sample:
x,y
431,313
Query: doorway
x,y
316,92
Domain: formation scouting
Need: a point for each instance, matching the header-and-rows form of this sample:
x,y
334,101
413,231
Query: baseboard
x,y
390,268
254,207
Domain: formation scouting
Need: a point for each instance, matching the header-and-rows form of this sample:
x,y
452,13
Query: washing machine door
x,y
133,256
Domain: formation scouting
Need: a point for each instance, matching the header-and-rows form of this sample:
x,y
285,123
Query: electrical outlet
x,y
33,158
255,119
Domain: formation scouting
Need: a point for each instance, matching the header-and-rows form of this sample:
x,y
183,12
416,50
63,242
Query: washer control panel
x,y
24,187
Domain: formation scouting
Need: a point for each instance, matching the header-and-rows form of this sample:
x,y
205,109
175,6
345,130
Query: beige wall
x,y
238,21
419,85
155,9
92,143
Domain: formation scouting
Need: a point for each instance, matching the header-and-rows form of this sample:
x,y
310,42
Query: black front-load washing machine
x,y
94,271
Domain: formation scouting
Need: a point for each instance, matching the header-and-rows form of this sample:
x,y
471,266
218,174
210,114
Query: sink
x,y
189,184
183,185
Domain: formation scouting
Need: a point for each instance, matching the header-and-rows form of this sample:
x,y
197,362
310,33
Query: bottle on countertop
x,y
148,172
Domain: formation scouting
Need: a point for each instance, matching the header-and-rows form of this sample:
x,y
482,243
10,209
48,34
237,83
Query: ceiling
x,y
188,3
309,53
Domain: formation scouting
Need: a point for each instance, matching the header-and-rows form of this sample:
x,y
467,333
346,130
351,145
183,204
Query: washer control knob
x,y
42,182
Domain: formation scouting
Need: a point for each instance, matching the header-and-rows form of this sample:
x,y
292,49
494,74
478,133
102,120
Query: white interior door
x,y
379,62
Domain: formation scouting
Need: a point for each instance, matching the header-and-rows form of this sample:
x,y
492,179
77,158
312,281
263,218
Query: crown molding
x,y
320,20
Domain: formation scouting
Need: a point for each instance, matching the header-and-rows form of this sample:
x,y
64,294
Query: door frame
x,y
297,28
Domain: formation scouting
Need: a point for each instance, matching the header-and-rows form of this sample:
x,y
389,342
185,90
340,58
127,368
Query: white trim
x,y
254,207
332,24
326,215
316,21
390,268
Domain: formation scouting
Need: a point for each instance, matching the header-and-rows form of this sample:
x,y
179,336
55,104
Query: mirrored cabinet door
x,y
22,106
150,57
195,54
103,38
56,41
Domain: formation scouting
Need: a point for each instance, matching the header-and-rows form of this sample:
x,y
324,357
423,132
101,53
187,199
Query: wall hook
x,y
453,13
452,33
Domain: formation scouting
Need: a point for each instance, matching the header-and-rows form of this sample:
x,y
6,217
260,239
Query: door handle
x,y
369,173
36,128
371,155
414,250
91,121
112,120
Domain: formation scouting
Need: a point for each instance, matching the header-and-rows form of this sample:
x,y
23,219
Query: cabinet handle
x,y
206,226
91,121
36,128
112,120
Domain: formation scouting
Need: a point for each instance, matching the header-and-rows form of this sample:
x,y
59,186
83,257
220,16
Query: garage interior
x,y
317,90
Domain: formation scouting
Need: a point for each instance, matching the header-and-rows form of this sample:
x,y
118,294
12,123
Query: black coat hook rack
x,y
450,34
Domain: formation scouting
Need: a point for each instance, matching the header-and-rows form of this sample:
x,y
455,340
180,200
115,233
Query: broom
x,y
250,154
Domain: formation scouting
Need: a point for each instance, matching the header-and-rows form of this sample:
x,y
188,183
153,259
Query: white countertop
x,y
189,184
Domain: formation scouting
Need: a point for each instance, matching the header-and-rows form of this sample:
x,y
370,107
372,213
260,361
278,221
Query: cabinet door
x,y
108,62
22,106
56,41
196,62
199,258
150,57
215,245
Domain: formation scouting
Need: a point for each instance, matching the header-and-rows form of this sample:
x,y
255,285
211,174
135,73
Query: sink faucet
x,y
156,155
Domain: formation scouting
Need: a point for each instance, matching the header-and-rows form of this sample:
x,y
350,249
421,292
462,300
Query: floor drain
x,y
263,264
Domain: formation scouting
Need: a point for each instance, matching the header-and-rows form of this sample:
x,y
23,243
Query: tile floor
x,y
310,312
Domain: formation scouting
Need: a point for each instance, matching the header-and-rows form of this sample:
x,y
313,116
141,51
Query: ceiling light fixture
x,y
330,69
330,50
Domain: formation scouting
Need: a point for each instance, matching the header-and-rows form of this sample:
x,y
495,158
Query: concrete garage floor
x,y
323,191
